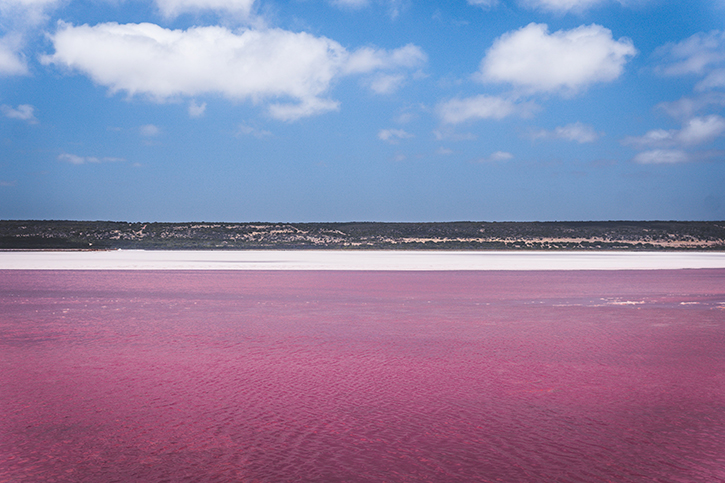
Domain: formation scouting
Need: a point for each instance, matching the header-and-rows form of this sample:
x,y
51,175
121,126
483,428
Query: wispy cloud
x,y
676,145
498,156
483,3
562,6
196,110
350,4
24,112
173,8
687,107
245,130
448,134
576,132
75,159
149,130
393,136
458,110
696,131
12,61
697,54
662,156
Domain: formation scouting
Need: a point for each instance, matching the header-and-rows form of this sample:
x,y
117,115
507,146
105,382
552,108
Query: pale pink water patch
x,y
362,376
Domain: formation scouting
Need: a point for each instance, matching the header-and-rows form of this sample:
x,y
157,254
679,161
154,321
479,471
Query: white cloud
x,y
149,130
444,151
245,130
20,14
561,6
17,17
368,59
458,110
196,110
24,112
393,135
565,61
387,83
11,60
497,156
662,156
578,132
700,130
713,80
352,4
174,8
447,134
696,131
306,108
694,55
483,3
686,108
675,145
296,68
75,159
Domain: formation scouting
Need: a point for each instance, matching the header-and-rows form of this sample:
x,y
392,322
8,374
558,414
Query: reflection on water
x,y
360,376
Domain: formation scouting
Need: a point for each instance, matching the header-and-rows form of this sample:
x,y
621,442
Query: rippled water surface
x,y
362,376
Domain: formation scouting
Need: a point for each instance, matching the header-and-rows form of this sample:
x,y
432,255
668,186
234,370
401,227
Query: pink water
x,y
362,376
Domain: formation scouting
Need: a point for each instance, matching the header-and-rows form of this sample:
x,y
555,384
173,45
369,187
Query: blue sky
x,y
362,110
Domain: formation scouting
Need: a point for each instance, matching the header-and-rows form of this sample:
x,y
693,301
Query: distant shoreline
x,y
373,260
594,236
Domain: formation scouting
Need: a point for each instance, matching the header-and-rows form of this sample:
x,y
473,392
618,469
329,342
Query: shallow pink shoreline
x,y
356,260
362,376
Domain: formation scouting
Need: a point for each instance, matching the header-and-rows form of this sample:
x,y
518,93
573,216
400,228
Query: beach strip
x,y
355,260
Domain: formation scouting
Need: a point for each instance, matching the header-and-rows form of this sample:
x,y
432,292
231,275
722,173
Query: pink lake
x,y
325,376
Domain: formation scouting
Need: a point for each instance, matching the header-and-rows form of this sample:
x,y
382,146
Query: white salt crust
x,y
355,260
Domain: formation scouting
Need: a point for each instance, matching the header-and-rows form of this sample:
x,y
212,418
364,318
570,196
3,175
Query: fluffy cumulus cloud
x,y
174,8
458,110
577,132
676,145
258,65
566,61
24,112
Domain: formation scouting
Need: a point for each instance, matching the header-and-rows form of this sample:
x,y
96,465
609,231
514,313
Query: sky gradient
x,y
362,110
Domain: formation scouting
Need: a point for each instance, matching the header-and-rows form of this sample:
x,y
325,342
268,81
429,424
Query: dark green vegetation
x,y
590,235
